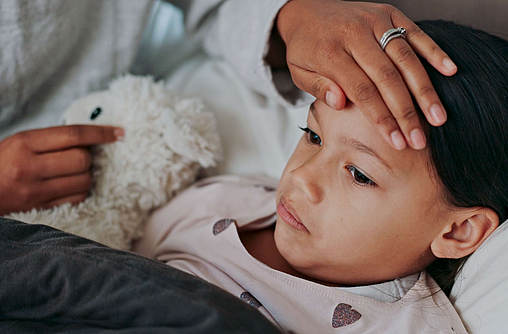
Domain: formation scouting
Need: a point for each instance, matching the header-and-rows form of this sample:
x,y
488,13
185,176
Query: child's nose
x,y
308,179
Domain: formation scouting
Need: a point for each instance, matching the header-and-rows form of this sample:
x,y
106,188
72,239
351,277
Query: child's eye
x,y
312,137
360,177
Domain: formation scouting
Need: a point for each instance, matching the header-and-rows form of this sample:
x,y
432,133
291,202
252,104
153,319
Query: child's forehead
x,y
348,124
349,129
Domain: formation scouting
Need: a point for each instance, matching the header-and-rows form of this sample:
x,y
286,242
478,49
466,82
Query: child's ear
x,y
466,234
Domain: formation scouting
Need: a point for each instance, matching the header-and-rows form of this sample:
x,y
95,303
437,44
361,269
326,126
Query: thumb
x,y
320,87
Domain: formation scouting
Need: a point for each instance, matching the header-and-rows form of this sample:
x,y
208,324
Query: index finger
x,y
64,137
364,93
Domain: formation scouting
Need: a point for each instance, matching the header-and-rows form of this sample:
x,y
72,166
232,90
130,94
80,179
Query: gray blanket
x,y
54,282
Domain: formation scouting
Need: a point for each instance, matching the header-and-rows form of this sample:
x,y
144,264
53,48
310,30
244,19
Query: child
x,y
349,239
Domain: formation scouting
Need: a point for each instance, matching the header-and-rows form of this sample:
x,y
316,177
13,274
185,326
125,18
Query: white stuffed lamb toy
x,y
167,141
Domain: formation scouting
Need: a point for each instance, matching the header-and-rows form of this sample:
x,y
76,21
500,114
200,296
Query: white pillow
x,y
480,293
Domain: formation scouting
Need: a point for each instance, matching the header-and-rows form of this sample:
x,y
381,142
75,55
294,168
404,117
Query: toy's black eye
x,y
96,113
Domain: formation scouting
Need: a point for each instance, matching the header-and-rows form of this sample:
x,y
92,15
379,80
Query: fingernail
x,y
449,64
331,100
417,138
438,113
398,140
119,134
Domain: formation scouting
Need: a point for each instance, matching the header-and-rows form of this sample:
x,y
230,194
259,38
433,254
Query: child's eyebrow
x,y
359,146
313,110
355,144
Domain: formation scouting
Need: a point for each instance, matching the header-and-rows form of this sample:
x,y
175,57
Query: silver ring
x,y
391,34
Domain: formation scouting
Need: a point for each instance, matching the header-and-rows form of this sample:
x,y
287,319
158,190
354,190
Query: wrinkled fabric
x,y
54,282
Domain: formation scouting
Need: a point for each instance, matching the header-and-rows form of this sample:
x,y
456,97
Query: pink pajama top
x,y
197,232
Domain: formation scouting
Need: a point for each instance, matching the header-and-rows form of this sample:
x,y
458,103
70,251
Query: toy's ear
x,y
193,133
96,108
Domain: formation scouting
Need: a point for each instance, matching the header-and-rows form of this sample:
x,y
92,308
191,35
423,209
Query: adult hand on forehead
x,y
47,167
333,52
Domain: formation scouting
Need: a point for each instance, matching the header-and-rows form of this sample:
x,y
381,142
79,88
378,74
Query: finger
x,y
63,137
320,87
364,94
424,45
63,163
73,199
381,70
417,80
66,186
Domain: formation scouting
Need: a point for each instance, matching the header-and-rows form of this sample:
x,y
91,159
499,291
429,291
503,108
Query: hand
x,y
333,52
48,167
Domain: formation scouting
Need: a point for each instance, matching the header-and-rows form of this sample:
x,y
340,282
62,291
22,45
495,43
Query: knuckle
x,y
354,25
386,7
427,91
435,49
365,92
415,31
75,133
17,141
25,194
404,53
296,76
388,74
372,14
318,88
105,133
329,49
15,173
84,159
44,167
383,120
407,114
394,13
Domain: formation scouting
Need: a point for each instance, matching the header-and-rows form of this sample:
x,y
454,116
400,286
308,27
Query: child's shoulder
x,y
242,198
229,196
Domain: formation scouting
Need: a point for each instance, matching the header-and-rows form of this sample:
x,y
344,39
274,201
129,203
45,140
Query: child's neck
x,y
261,245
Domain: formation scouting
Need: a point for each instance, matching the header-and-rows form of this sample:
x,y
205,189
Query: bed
x,y
259,135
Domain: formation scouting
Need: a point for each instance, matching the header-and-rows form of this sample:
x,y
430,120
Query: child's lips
x,y
289,215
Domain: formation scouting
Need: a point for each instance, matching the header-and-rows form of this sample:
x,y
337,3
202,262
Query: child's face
x,y
365,221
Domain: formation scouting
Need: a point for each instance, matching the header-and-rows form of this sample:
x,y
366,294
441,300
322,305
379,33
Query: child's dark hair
x,y
469,153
